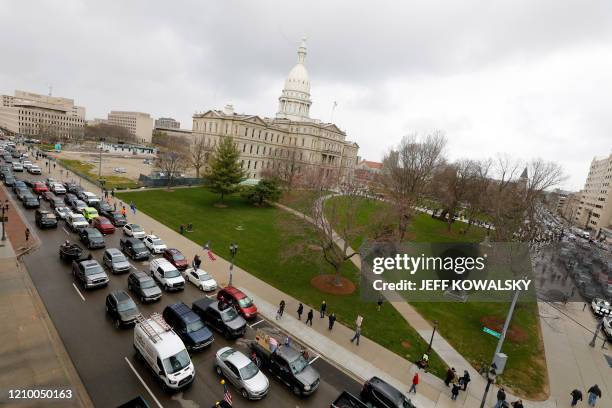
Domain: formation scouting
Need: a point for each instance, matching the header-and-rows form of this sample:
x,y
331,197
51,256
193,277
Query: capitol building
x,y
291,138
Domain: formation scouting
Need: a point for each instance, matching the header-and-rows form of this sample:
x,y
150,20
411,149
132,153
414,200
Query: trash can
x,y
500,361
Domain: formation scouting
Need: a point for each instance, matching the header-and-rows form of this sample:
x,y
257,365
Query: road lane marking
x,y
133,267
144,384
78,291
210,296
65,230
314,359
256,323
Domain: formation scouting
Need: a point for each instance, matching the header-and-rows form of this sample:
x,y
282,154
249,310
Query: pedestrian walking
x,y
133,207
501,398
300,310
357,335
415,382
309,317
281,309
517,404
27,234
465,379
576,396
113,193
182,229
322,309
594,393
196,262
379,303
332,320
450,376
455,390
114,206
123,211
105,194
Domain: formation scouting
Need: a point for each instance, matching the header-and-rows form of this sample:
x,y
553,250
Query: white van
x,y
163,351
168,277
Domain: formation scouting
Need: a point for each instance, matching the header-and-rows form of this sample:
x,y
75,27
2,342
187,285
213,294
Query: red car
x,y
176,258
103,225
40,187
241,302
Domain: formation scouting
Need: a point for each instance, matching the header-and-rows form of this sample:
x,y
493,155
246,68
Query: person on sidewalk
x,y
115,206
196,262
450,376
332,320
113,193
123,211
594,393
357,335
576,396
281,309
455,390
323,308
27,234
517,404
300,310
309,317
415,382
133,207
501,398
465,379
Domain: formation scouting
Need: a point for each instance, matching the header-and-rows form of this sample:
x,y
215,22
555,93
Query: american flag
x,y
227,397
211,255
206,247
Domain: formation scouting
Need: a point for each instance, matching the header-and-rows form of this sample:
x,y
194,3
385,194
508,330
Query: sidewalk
x,y
33,355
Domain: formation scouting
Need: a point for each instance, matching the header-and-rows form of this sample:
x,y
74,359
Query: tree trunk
x,y
337,280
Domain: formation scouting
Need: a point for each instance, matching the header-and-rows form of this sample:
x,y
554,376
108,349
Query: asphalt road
x,y
104,356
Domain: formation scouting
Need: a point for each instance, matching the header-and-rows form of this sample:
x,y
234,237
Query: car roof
x,y
183,311
113,251
121,295
173,251
153,236
88,263
237,358
170,342
161,262
387,389
90,209
140,275
288,353
232,291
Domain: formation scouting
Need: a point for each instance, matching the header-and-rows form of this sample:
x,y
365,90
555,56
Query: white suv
x,y
166,275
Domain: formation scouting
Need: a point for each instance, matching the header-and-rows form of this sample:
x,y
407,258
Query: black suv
x,y
188,325
144,287
122,309
116,218
134,248
381,394
92,238
45,219
220,316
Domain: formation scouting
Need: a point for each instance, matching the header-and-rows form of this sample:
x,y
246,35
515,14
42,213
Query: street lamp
x,y
5,207
233,251
435,322
491,374
599,325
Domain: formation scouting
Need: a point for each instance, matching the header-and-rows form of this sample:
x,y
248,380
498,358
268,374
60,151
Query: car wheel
x,y
129,286
297,391
218,370
165,287
202,288
106,308
142,299
116,323
244,393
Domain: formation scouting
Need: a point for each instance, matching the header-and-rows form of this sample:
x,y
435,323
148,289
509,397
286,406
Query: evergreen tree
x,y
266,190
225,171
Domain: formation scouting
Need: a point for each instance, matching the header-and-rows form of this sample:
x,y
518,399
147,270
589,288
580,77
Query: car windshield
x,y
194,326
298,365
205,276
136,228
177,256
126,305
93,269
147,283
138,246
249,371
229,314
119,258
94,233
172,273
245,302
78,219
157,241
48,215
177,362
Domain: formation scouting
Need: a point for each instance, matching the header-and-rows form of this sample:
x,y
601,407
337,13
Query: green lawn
x,y
301,200
261,240
89,170
460,322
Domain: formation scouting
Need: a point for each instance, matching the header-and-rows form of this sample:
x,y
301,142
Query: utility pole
x,y
500,342
233,251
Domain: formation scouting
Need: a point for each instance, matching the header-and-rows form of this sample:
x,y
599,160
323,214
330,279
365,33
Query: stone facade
x,y
138,124
595,208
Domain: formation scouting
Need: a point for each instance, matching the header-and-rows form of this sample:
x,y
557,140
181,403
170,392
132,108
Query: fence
x,y
148,181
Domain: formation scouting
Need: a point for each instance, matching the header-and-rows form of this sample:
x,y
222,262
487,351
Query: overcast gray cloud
x,y
523,77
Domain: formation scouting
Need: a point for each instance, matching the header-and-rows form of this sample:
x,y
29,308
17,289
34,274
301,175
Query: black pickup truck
x,y
347,400
220,316
288,365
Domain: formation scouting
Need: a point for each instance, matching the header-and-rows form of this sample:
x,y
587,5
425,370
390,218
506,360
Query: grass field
x,y
460,323
261,242
88,170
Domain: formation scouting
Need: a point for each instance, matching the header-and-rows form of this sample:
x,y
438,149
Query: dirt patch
x,y
406,344
515,334
315,248
328,284
219,205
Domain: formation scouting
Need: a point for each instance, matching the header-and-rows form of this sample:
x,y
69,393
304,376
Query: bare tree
x,y
450,185
407,171
287,166
199,154
477,196
172,158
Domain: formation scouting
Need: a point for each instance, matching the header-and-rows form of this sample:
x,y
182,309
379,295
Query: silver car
x,y
114,260
242,372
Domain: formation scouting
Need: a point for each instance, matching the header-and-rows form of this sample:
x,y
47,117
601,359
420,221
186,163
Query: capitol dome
x,y
294,102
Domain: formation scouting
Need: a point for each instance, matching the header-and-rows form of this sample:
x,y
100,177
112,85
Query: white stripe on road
x,y
78,291
255,324
133,267
143,383
210,296
65,230
314,359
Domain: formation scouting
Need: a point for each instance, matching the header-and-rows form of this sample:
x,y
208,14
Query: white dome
x,y
298,80
294,102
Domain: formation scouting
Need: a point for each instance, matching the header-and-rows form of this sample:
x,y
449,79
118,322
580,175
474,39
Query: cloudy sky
x,y
528,78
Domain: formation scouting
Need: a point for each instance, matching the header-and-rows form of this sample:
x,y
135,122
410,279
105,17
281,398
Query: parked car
x,y
103,225
39,187
34,169
121,308
78,205
607,327
26,164
347,400
68,198
102,207
381,394
76,222
45,219
240,371
21,193
166,274
62,213
47,196
116,218
143,286
134,248
115,261
176,258
600,307
19,185
50,181
31,201
71,187
92,238
220,317
89,213
200,279
89,273
57,188
9,181
90,198
238,300
288,365
154,244
134,230
17,167
189,326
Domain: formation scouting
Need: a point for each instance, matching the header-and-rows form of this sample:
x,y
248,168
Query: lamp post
x,y
5,207
599,325
435,322
233,251
491,375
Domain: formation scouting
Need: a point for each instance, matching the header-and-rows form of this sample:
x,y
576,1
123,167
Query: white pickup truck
x,y
76,221
168,277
